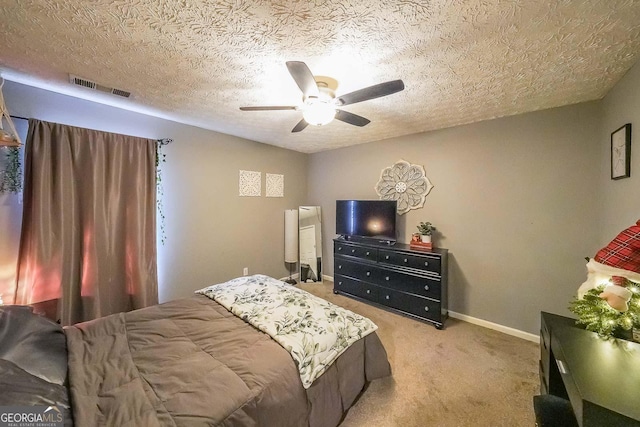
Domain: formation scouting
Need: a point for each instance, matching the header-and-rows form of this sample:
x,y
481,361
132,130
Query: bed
x,y
188,362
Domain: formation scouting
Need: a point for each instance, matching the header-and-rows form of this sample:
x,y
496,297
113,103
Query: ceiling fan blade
x,y
352,119
268,108
300,126
303,77
371,92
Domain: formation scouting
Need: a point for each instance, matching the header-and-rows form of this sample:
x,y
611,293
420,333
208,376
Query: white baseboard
x,y
496,327
327,278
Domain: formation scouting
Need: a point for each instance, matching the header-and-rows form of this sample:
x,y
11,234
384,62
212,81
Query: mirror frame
x,y
308,217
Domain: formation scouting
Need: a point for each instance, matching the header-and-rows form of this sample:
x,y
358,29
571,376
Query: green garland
x,y
11,181
597,316
160,159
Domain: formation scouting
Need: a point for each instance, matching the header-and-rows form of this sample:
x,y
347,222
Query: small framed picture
x,y
621,152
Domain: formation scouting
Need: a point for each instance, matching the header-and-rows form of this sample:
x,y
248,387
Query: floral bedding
x,y
314,331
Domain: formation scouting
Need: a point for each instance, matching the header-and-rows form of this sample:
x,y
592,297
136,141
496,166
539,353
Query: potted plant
x,y
425,229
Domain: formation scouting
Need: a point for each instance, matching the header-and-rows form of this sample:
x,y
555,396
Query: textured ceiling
x,y
198,61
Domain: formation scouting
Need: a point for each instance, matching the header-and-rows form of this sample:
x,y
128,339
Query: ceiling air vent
x,y
121,92
93,85
81,82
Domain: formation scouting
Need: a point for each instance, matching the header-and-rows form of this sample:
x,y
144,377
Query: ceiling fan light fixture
x,y
319,104
318,113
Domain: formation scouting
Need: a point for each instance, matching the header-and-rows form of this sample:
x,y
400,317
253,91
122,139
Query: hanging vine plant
x,y
11,179
160,159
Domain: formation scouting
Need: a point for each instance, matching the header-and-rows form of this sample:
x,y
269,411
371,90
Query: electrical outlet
x,y
245,271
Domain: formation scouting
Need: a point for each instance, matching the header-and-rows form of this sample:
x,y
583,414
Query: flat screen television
x,y
372,219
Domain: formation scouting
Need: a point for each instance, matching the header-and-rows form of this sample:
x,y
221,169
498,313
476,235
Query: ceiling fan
x,y
320,104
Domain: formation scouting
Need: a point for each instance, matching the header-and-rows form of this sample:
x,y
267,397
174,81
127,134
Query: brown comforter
x,y
191,362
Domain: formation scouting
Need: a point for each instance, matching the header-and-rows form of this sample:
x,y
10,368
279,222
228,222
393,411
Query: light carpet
x,y
463,375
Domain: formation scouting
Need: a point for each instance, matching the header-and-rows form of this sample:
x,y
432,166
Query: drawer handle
x,y
386,297
368,253
353,251
386,278
340,267
426,308
406,260
340,248
563,369
368,273
368,291
426,263
426,287
339,283
387,257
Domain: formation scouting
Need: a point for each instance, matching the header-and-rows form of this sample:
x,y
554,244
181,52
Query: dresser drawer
x,y
356,251
416,305
356,270
421,262
544,388
545,339
428,287
545,352
355,287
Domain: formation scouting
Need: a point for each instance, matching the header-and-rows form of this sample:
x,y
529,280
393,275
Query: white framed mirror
x,y
310,243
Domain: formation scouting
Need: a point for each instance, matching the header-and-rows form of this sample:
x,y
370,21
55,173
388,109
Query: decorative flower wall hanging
x,y
405,183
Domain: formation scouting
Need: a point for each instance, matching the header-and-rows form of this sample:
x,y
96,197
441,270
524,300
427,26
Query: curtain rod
x,y
161,141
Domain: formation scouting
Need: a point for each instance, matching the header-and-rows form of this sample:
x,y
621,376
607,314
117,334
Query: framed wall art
x,y
275,185
250,184
621,152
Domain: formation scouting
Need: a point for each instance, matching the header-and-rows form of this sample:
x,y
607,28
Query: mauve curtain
x,y
89,222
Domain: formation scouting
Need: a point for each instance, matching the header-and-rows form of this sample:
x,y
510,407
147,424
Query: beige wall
x,y
620,205
514,201
212,233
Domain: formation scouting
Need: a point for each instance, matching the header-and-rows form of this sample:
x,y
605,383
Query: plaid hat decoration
x,y
624,251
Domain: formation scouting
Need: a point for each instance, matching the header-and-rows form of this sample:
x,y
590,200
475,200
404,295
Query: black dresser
x,y
404,280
